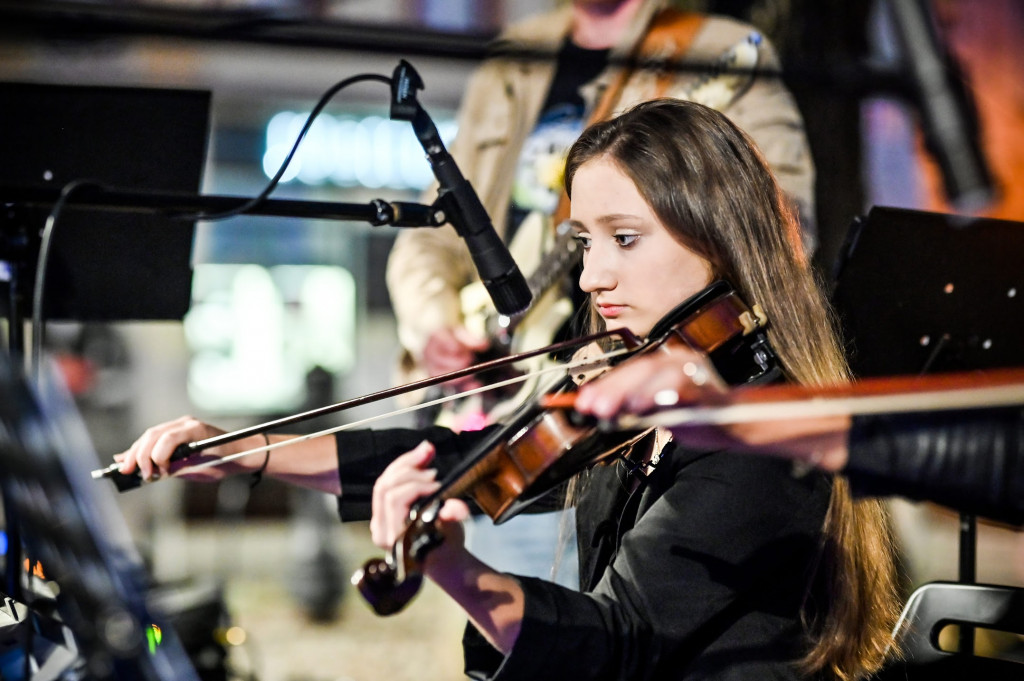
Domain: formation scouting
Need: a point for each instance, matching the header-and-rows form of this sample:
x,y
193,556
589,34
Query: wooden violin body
x,y
538,448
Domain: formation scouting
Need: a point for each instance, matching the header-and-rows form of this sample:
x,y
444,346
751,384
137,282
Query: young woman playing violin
x,y
694,563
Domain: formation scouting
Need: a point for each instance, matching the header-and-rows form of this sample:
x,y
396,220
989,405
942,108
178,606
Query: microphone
x,y
498,271
948,116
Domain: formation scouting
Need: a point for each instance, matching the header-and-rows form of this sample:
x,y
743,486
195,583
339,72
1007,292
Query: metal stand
x,y
16,243
968,573
957,308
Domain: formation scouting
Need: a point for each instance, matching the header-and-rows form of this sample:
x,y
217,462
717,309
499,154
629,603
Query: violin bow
x,y
187,449
897,394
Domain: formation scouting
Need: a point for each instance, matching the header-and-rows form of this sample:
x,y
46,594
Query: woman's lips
x,y
610,311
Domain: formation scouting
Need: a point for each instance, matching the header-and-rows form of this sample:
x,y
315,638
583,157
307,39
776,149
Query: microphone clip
x,y
405,83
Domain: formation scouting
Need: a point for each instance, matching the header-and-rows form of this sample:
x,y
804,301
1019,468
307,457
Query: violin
x,y
539,448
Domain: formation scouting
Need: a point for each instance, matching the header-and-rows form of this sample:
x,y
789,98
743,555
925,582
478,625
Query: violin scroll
x,y
378,582
717,322
389,584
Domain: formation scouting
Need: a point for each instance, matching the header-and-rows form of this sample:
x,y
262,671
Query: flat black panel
x,y
109,266
921,292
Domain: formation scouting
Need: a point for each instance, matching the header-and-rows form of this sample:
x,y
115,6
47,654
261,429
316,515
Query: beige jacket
x,y
427,267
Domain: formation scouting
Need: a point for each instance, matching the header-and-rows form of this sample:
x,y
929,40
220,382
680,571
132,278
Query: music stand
x,y
920,292
106,266
75,530
103,266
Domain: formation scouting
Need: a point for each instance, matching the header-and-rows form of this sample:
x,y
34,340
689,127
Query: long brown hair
x,y
708,184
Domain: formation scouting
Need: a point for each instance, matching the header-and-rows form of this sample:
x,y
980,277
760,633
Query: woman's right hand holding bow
x,y
151,453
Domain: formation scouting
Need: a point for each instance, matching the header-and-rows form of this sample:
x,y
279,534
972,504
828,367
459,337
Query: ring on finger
x,y
696,373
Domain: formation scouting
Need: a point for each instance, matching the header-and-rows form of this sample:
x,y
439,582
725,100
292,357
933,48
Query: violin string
x,y
371,419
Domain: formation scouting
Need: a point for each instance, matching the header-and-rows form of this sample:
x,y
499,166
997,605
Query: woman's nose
x,y
596,275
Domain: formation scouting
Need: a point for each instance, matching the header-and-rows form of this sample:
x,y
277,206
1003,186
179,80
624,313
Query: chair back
x,y
936,605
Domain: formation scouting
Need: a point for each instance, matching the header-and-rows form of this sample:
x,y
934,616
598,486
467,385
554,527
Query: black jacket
x,y
697,572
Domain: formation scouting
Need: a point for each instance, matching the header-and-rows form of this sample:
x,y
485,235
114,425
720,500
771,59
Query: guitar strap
x,y
668,37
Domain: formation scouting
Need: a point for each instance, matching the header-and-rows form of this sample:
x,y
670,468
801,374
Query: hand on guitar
x,y
683,378
450,349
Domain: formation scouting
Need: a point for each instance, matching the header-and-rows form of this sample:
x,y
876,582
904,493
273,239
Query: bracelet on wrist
x,y
258,475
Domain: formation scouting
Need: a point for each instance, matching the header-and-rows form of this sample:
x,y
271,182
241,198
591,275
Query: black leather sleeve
x,y
970,460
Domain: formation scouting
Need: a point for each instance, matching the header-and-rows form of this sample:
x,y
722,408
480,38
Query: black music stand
x,y
104,266
76,532
920,292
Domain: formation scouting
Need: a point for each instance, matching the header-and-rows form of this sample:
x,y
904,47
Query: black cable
x,y
71,187
38,333
14,552
41,266
262,196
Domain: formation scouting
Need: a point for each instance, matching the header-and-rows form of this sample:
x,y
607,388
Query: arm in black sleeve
x,y
970,460
363,455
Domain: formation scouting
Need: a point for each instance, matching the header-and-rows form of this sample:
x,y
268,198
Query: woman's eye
x,y
583,240
626,240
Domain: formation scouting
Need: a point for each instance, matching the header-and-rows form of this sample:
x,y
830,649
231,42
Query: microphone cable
x,y
317,109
